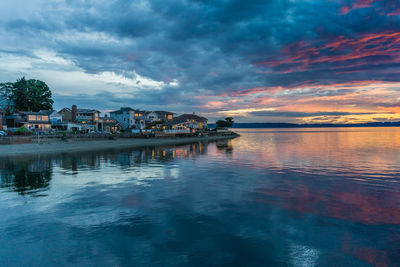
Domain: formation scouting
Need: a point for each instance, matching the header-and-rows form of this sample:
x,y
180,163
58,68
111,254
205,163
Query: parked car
x,y
3,133
104,132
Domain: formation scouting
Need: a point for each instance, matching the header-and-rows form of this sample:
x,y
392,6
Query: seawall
x,y
104,144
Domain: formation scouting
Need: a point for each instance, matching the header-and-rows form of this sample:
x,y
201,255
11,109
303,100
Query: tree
x,y
6,95
228,122
31,95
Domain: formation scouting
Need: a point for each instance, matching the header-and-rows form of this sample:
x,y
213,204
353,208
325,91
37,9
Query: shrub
x,y
22,131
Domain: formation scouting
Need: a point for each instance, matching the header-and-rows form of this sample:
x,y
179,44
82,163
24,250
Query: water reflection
x,y
32,175
268,198
370,152
225,146
26,176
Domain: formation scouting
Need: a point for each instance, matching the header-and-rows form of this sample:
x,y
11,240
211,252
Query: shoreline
x,y
55,147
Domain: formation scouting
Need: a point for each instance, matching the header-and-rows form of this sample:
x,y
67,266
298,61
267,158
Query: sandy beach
x,y
92,145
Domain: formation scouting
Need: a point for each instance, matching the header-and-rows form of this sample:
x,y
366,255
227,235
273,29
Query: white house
x,y
125,116
140,119
55,117
151,116
189,121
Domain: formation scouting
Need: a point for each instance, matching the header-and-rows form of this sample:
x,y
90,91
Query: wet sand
x,y
80,146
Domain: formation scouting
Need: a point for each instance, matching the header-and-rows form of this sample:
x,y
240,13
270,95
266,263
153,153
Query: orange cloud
x,y
352,102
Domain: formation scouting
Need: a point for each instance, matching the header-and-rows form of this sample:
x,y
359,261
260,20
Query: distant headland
x,y
319,125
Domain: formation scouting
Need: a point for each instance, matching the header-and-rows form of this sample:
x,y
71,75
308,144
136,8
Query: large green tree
x,y
31,95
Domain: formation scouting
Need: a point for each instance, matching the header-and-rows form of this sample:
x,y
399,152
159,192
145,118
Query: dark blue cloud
x,y
214,46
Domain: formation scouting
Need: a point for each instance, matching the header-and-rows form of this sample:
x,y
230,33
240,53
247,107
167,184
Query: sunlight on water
x,y
273,197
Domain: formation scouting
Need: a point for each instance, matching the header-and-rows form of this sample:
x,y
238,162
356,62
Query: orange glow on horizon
x,y
359,101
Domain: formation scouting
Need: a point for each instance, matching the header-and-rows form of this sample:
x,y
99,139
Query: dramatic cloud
x,y
292,61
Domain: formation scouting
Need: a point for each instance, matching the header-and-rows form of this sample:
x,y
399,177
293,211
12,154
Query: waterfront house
x,y
125,116
108,124
188,121
165,116
13,121
33,121
151,117
55,117
83,115
62,121
75,119
159,116
140,119
37,121
66,115
89,118
129,118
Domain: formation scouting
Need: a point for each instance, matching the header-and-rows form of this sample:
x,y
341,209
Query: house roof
x,y
48,112
121,110
54,113
65,109
85,110
161,112
187,117
42,112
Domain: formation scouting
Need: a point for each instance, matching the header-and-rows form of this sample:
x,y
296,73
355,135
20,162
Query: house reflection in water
x,y
160,154
32,175
28,176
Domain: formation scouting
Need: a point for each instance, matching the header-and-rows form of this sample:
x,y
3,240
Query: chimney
x,y
74,111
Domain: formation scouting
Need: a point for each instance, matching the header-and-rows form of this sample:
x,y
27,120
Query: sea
x,y
271,197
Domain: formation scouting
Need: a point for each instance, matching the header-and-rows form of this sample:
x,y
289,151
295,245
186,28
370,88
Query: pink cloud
x,y
356,5
303,56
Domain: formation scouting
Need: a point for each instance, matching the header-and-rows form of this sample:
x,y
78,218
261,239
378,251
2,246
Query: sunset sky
x,y
257,60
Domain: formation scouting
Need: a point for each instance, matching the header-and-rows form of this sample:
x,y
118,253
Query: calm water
x,y
276,197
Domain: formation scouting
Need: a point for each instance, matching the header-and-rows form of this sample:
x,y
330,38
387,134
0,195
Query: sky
x,y
301,61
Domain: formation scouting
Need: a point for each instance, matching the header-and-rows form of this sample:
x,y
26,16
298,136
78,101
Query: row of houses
x,y
90,120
